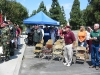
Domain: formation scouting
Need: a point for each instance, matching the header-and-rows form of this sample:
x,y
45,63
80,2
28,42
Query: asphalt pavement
x,y
32,65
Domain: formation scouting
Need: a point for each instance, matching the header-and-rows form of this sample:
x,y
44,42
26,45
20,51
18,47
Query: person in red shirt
x,y
69,39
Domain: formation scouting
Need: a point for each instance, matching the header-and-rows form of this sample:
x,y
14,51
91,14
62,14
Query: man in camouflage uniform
x,y
5,40
12,37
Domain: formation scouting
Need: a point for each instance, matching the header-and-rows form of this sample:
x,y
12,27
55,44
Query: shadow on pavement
x,y
89,63
16,52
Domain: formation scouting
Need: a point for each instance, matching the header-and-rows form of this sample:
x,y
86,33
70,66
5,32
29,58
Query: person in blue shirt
x,y
46,34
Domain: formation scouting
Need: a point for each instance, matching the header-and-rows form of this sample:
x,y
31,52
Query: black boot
x,y
7,58
12,53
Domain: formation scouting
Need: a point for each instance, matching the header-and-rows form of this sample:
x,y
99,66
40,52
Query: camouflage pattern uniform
x,y
12,37
5,36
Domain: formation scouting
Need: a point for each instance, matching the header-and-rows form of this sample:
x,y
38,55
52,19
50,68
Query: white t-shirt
x,y
28,30
88,35
42,32
58,33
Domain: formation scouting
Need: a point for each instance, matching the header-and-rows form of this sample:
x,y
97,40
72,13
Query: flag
x,y
1,19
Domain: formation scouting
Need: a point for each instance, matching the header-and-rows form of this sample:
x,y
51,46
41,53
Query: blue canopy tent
x,y
41,18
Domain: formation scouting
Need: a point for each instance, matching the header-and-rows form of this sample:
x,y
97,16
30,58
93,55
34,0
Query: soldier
x,y
5,36
12,37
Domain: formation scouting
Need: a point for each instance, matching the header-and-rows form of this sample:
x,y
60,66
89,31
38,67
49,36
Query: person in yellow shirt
x,y
82,37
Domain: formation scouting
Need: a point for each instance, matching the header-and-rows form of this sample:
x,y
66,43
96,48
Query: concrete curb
x,y
19,61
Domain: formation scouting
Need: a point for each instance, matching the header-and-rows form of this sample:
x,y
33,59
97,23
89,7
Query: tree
x,y
42,7
75,15
82,18
63,17
33,13
95,4
14,11
55,12
88,16
92,12
16,15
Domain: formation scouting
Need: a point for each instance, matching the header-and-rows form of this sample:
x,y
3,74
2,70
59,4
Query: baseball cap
x,y
67,26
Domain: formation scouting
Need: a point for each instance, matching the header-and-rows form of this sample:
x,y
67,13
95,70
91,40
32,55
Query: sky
x,y
67,4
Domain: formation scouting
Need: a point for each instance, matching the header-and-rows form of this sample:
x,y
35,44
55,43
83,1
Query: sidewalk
x,y
12,66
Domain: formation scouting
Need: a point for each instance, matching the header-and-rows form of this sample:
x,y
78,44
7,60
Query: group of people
x,y
89,38
86,37
9,38
37,33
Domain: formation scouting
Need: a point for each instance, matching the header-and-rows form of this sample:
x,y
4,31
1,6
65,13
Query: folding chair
x,y
38,49
60,40
42,41
58,51
57,43
81,53
47,51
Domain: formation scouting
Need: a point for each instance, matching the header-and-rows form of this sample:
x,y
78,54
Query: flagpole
x,y
5,17
5,10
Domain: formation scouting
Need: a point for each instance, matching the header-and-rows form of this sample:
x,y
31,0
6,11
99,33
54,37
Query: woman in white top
x,y
52,34
89,42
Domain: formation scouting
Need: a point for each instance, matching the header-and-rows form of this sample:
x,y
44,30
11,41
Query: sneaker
x,y
68,65
65,63
91,66
43,57
97,68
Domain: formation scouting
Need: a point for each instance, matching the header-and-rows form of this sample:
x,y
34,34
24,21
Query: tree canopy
x,y
57,12
92,12
75,15
13,10
41,7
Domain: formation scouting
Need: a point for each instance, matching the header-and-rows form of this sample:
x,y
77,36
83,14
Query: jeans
x,y
95,54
